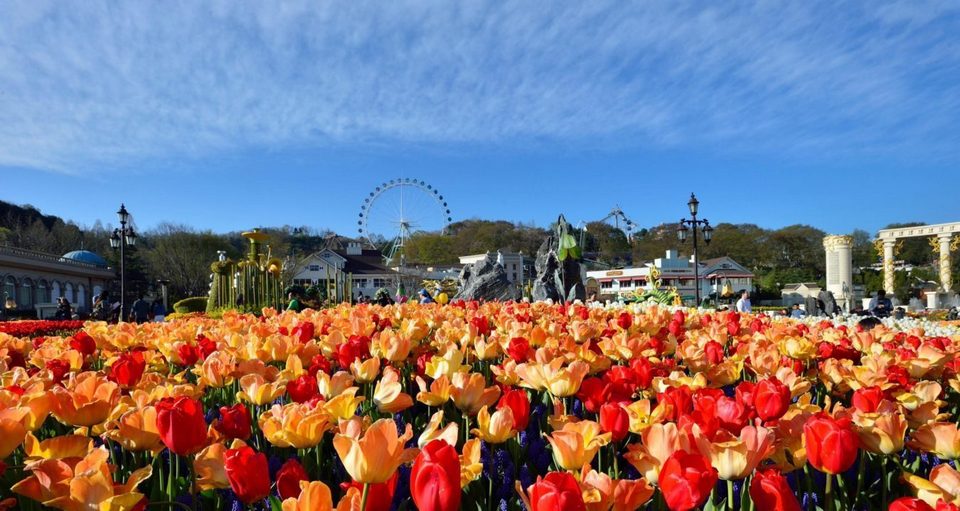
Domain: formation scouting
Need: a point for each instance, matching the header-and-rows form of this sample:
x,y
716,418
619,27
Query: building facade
x,y
348,273
677,272
33,281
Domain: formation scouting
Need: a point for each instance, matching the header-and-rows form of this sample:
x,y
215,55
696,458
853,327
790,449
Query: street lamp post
x,y
693,224
121,238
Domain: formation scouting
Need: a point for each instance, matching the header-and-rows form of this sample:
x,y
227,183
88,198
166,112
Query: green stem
x,y
193,486
828,493
860,470
730,494
363,498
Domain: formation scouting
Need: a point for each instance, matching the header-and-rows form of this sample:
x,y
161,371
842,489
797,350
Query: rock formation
x,y
485,280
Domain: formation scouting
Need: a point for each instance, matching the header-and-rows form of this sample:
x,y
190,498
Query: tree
x,y
181,255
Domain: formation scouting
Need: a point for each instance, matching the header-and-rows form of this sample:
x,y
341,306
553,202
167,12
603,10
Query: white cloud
x,y
102,85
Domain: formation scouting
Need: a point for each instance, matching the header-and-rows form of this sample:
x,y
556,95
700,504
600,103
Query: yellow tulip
x,y
577,443
295,425
734,457
372,456
470,465
345,405
448,364
365,371
658,442
882,432
209,467
331,386
257,390
496,428
944,484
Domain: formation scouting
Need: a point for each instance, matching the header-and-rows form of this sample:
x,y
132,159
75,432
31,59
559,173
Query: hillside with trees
x,y
182,255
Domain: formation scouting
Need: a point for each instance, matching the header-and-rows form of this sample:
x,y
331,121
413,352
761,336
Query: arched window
x,y
25,299
55,290
68,293
43,291
82,296
10,288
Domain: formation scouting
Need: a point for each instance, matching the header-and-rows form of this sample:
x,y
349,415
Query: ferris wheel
x,y
396,209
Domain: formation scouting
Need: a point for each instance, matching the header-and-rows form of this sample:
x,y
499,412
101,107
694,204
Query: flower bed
x,y
36,328
493,406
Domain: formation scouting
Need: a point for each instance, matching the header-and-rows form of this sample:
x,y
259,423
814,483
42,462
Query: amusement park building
x,y
32,281
351,267
674,271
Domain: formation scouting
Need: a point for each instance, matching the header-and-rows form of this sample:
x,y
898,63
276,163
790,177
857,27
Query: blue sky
x,y
227,115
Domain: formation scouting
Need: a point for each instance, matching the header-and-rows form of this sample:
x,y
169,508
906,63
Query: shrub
x,y
192,304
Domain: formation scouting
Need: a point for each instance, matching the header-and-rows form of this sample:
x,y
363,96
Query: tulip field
x,y
480,406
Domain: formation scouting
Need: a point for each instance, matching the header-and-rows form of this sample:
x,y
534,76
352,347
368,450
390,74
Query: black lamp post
x,y
121,238
684,229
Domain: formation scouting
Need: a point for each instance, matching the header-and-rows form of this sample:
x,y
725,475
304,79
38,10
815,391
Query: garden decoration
x,y
479,406
249,284
559,274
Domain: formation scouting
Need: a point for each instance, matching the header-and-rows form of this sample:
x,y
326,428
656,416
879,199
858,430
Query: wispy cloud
x,y
94,85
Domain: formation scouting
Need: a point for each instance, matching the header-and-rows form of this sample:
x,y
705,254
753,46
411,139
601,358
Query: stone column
x,y
945,274
888,249
839,252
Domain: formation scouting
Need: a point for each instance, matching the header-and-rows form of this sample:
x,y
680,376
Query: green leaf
x,y
567,241
275,504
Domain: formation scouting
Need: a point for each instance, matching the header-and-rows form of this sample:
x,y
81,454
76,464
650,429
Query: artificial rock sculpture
x,y
559,274
487,280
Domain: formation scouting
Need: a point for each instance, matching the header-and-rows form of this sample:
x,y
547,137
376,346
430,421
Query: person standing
x,y
159,311
140,310
743,304
294,304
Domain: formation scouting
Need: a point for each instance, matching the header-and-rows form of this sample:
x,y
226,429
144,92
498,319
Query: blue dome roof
x,y
86,256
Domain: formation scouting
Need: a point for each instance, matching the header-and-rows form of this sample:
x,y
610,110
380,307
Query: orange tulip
x,y
314,496
734,457
437,393
86,401
365,371
470,393
577,443
432,431
940,438
943,484
374,455
470,465
136,430
388,395
658,442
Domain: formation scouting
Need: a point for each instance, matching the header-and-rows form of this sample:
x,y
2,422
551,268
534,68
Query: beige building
x,y
34,280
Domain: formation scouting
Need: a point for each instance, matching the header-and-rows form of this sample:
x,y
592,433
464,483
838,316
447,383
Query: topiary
x,y
192,304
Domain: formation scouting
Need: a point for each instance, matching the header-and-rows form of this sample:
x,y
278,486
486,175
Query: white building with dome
x,y
32,281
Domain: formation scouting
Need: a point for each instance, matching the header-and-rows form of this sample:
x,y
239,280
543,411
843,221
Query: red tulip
x,y
303,388
714,352
593,393
867,399
909,504
128,369
614,420
558,491
435,478
519,349
181,425
744,393
83,343
679,398
58,368
304,332
831,444
519,404
771,492
379,495
188,354
732,414
289,477
248,473
234,421
206,346
686,480
771,399
624,320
